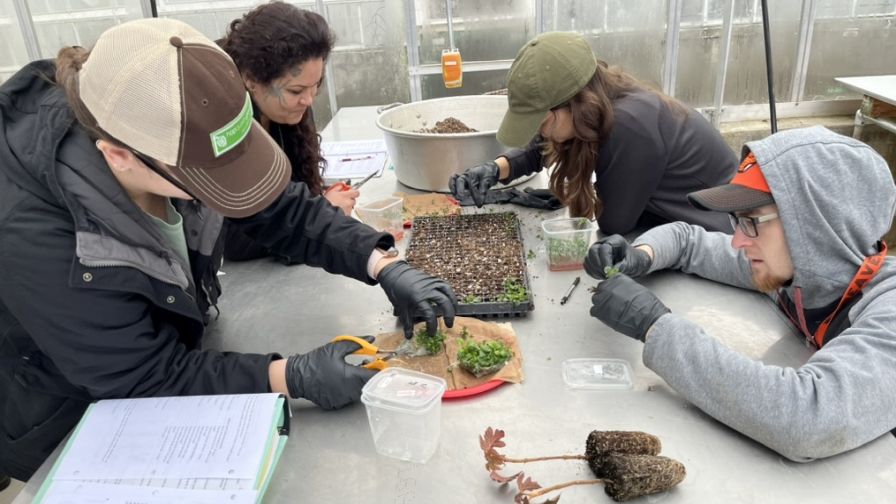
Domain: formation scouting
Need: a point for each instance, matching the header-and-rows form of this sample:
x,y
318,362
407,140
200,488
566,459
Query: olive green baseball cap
x,y
548,71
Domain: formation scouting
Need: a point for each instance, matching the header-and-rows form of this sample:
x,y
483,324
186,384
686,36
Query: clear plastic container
x,y
385,214
404,410
567,241
597,374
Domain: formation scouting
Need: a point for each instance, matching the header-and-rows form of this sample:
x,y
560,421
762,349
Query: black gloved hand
x,y
323,377
616,251
533,198
474,183
626,306
418,296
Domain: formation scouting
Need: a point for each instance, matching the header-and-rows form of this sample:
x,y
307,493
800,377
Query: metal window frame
x,y
717,113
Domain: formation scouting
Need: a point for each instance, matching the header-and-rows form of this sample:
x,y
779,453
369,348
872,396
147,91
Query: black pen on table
x,y
571,288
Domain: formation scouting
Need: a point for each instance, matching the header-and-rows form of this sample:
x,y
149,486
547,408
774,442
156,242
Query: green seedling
x,y
514,292
531,255
565,251
611,271
472,299
432,344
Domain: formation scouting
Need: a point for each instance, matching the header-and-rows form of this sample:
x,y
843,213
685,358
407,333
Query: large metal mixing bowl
x,y
425,161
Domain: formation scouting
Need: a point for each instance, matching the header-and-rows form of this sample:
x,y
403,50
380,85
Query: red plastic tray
x,y
471,391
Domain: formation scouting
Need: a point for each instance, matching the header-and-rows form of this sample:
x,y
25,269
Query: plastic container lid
x,y
567,225
403,390
606,374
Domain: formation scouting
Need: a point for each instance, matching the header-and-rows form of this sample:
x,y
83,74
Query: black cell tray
x,y
466,251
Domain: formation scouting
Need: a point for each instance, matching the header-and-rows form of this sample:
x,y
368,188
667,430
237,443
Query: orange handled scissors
x,y
367,348
343,186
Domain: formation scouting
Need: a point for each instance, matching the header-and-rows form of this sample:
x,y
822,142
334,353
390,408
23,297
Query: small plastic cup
x,y
567,241
404,410
385,214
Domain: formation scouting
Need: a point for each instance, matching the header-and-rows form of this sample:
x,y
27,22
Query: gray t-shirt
x,y
172,229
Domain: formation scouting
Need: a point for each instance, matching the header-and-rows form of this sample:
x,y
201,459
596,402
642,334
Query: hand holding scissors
x,y
345,186
379,363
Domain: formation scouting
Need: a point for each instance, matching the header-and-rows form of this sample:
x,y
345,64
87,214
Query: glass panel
x,y
483,30
874,7
627,33
59,23
746,82
13,54
845,47
370,61
698,51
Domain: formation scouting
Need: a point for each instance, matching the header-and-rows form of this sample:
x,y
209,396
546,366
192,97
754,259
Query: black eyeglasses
x,y
750,225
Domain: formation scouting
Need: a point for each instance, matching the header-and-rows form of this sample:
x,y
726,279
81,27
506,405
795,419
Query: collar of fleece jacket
x,y
836,199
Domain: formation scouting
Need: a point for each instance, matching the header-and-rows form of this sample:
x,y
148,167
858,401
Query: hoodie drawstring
x,y
867,271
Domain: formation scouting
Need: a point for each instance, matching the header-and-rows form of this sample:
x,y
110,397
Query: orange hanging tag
x,y
452,68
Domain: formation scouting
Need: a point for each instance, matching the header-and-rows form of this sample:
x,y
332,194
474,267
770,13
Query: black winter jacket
x,y
93,303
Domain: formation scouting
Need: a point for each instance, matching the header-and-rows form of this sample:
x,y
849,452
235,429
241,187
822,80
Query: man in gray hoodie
x,y
809,208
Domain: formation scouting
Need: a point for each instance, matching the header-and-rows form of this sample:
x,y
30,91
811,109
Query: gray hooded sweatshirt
x,y
836,199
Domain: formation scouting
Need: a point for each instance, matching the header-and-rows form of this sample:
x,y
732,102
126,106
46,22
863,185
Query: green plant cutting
x,y
480,358
611,271
432,344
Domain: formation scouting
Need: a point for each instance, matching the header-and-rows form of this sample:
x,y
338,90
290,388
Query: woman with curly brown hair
x,y
281,52
625,155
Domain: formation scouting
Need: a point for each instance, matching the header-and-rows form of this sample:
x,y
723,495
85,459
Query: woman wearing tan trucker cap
x,y
626,155
117,169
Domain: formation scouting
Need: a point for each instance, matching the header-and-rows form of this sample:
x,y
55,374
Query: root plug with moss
x,y
627,463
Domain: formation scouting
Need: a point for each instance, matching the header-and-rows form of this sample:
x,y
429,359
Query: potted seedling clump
x,y
481,358
627,463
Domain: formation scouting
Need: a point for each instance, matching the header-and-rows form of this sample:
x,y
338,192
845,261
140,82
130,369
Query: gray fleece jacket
x,y
836,199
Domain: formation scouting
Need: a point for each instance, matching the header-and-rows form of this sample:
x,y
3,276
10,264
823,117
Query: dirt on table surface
x,y
448,125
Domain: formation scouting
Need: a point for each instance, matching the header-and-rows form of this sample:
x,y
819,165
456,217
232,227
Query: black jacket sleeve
x,y
102,331
526,160
308,229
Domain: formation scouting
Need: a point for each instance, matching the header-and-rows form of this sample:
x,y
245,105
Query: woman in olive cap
x,y
625,154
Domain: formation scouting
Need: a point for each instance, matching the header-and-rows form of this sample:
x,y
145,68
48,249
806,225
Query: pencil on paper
x,y
345,159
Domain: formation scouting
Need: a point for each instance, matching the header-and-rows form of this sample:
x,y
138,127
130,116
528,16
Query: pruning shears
x,y
345,186
381,356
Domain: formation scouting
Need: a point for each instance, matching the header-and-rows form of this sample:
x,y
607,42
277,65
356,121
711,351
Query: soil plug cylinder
x,y
629,476
602,443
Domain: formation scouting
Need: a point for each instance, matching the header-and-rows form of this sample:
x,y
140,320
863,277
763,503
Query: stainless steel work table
x,y
330,455
875,88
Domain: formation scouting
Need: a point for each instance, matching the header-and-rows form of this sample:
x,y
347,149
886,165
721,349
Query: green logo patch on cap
x,y
231,134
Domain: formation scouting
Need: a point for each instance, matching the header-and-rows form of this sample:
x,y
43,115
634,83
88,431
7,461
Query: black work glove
x,y
323,377
418,296
533,198
474,183
626,306
617,252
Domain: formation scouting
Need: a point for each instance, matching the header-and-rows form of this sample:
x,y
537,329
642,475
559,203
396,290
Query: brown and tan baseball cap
x,y
165,90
